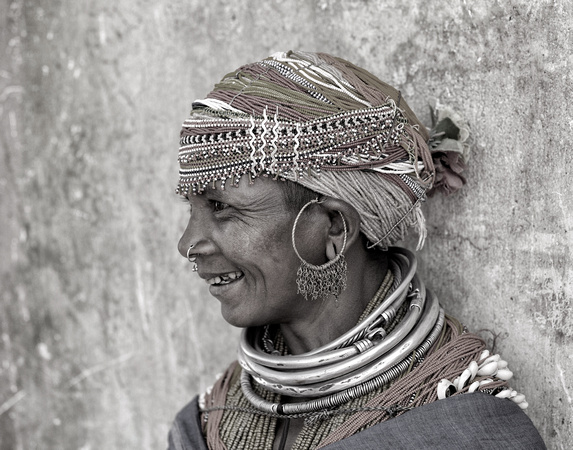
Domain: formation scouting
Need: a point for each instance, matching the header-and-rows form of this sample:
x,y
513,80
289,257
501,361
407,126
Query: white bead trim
x,y
489,366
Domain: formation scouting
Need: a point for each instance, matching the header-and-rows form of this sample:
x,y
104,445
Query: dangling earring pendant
x,y
324,280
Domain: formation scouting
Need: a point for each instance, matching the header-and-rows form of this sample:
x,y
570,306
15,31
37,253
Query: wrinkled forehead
x,y
265,198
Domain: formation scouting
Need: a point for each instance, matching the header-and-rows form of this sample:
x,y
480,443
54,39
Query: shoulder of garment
x,y
466,421
185,433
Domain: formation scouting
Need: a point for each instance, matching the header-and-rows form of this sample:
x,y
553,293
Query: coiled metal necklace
x,y
356,363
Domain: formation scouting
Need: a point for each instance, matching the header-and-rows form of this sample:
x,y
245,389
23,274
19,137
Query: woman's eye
x,y
219,206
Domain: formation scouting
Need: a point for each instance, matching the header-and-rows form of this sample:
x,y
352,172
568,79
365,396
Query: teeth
x,y
225,278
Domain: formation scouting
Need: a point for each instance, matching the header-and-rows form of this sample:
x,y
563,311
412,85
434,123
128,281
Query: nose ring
x,y
192,257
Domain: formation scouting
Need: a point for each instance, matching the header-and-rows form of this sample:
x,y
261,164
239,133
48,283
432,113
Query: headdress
x,y
319,121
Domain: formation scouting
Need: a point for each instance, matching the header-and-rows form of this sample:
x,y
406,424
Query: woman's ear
x,y
330,250
344,220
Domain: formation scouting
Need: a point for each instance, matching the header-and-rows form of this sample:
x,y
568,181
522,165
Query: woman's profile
x,y
302,172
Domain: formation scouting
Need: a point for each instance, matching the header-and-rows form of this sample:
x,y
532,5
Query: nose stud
x,y
192,257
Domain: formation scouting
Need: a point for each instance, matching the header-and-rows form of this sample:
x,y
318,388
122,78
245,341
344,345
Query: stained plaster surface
x,y
106,333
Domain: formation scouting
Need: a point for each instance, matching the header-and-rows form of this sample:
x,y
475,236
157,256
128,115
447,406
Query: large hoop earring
x,y
192,257
324,280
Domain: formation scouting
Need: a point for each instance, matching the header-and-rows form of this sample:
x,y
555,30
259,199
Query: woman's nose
x,y
186,240
198,233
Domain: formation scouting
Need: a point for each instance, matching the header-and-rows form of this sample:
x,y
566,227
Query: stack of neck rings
x,y
334,128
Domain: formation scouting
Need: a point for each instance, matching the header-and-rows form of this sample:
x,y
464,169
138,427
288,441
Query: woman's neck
x,y
328,319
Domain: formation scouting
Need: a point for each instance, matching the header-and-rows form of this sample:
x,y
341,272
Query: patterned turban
x,y
318,121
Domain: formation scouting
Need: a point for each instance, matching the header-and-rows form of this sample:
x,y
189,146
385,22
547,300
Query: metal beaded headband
x,y
217,145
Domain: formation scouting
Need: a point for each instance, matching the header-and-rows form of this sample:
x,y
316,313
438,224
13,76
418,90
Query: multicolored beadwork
x,y
220,143
221,149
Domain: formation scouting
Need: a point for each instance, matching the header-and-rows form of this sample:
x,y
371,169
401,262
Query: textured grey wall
x,y
105,332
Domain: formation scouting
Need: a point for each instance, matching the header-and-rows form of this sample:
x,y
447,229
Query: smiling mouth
x,y
226,278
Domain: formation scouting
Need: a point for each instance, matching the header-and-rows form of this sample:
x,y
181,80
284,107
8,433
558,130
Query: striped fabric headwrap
x,y
321,122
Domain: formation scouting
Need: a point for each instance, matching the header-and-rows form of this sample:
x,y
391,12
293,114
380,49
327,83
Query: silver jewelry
x,y
319,381
341,397
355,357
355,363
324,280
192,257
403,265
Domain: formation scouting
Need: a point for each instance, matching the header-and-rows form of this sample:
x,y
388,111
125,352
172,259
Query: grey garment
x,y
185,434
468,421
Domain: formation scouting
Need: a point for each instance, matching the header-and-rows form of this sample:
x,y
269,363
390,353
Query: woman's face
x,y
242,238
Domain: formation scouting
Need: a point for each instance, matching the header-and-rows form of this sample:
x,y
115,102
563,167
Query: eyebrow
x,y
215,194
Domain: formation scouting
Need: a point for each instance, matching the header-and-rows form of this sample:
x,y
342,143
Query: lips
x,y
224,278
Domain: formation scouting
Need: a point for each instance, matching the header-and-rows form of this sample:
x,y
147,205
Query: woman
x,y
301,171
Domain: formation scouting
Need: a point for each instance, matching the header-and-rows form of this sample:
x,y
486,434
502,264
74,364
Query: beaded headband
x,y
225,148
320,121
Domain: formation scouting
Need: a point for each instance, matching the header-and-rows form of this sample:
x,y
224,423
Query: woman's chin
x,y
240,318
236,320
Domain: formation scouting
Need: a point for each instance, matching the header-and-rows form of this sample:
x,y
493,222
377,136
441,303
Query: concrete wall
x,y
105,332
